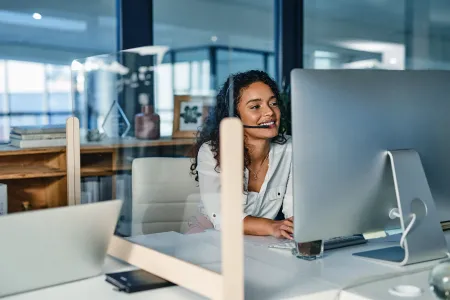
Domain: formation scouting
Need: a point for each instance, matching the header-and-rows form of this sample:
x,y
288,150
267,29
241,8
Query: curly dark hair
x,y
209,132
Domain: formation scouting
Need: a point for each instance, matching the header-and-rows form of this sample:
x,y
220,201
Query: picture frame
x,y
189,114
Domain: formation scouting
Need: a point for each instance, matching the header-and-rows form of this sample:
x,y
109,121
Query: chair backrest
x,y
165,195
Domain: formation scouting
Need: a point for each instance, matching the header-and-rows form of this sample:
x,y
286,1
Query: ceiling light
x,y
37,16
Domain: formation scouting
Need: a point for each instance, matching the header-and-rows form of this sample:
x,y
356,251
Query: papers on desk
x,y
375,235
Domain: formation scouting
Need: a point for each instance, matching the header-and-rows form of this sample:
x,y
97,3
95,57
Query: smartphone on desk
x,y
136,281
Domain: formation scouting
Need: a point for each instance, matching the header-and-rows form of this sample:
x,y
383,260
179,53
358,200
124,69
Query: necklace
x,y
255,174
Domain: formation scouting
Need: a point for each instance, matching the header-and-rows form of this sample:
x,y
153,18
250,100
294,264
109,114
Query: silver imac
x,y
371,150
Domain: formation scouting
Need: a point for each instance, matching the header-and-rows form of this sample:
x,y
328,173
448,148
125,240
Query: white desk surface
x,y
269,273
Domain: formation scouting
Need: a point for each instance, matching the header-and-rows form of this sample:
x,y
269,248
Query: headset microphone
x,y
257,126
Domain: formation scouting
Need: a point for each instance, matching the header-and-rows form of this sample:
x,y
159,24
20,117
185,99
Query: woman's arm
x,y
263,226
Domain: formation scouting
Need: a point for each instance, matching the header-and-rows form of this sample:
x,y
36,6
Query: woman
x,y
267,158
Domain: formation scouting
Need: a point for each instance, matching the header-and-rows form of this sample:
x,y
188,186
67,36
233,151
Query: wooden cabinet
x,y
37,178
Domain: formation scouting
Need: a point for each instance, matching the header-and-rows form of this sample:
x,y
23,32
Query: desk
x,y
269,273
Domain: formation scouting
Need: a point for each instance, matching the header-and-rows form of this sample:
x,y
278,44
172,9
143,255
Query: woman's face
x,y
258,106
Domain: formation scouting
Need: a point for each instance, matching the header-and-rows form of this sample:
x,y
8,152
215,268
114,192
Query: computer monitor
x,y
367,142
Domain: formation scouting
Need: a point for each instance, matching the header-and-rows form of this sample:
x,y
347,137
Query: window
x,y
201,46
25,86
164,97
3,100
33,94
59,86
25,77
4,128
237,61
191,75
27,119
195,73
271,65
182,81
364,34
35,77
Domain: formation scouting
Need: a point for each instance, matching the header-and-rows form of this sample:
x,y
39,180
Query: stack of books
x,y
38,136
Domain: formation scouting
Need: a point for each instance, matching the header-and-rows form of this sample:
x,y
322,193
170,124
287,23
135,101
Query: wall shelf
x,y
38,176
14,172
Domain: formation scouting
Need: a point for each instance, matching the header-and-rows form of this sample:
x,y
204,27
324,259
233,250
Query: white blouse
x,y
276,189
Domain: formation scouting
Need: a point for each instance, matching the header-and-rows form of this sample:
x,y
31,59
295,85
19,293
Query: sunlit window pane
x,y
25,77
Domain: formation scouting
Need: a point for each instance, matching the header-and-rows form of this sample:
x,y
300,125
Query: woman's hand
x,y
283,228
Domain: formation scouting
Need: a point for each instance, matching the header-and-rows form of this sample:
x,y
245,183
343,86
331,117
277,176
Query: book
x,y
37,143
136,281
92,186
106,187
86,197
3,199
41,136
123,192
39,129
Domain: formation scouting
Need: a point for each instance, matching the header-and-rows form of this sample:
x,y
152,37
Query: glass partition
x,y
38,44
170,184
138,129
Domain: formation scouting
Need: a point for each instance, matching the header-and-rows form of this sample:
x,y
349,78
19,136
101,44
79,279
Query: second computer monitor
x,y
344,122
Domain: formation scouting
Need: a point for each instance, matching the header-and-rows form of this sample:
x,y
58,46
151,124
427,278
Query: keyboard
x,y
334,243
344,241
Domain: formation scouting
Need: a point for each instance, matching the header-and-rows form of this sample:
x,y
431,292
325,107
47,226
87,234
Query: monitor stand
x,y
425,241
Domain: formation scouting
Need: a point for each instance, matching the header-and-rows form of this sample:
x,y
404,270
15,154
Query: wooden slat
x,y
96,150
129,143
102,146
187,275
7,150
231,162
17,172
122,166
95,171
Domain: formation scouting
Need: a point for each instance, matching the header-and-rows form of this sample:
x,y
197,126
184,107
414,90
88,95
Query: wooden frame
x,y
73,161
229,284
178,100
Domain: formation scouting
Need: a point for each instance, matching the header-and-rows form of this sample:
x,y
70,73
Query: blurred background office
x,y
39,40
203,42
